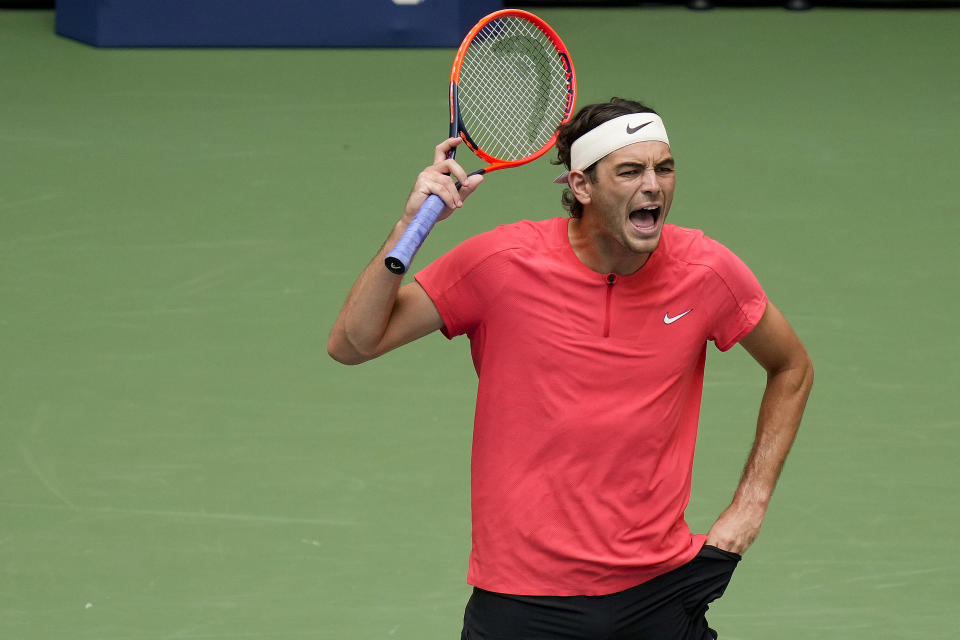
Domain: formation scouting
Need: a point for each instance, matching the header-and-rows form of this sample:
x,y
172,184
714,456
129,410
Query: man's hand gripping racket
x,y
511,87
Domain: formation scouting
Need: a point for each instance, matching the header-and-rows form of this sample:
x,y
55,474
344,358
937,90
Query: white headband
x,y
612,135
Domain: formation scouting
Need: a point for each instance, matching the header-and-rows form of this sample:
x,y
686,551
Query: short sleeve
x,y
464,282
737,299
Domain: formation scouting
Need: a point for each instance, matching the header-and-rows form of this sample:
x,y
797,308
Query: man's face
x,y
632,194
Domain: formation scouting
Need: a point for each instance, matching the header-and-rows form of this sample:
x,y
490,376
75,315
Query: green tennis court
x,y
179,458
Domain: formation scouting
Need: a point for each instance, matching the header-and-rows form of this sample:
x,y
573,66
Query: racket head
x,y
512,85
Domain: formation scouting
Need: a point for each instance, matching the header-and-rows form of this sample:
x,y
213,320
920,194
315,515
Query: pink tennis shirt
x,y
588,401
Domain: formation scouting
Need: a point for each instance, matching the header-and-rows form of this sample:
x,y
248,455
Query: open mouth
x,y
645,219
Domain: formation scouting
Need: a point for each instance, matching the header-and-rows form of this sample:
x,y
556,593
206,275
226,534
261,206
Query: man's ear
x,y
580,185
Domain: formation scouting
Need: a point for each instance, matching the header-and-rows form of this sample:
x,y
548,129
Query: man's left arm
x,y
775,346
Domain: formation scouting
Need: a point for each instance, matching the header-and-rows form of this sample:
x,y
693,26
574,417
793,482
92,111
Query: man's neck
x,y
601,253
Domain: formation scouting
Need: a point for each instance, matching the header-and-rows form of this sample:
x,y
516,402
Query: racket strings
x,y
512,89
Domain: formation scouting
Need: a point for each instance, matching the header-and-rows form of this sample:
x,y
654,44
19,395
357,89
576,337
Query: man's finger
x,y
442,150
451,167
469,185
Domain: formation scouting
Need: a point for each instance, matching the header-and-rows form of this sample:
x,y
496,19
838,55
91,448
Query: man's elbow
x,y
345,353
808,374
801,370
794,371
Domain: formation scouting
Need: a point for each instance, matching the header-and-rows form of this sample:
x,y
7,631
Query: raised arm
x,y
380,314
775,346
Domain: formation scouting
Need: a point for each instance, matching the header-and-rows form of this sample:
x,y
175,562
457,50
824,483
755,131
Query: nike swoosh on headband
x,y
606,138
633,130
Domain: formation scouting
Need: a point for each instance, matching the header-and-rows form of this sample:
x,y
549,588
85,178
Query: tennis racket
x,y
511,87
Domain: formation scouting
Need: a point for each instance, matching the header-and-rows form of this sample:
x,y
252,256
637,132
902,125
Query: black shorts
x,y
672,606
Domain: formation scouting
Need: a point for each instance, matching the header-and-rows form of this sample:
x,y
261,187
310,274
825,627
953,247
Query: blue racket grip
x,y
399,259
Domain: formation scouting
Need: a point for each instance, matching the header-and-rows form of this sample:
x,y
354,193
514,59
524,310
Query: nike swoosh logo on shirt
x,y
633,130
668,320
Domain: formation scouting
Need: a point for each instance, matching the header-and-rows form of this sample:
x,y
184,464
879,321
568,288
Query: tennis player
x,y
589,335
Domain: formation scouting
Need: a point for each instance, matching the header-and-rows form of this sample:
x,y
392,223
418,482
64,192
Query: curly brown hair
x,y
587,118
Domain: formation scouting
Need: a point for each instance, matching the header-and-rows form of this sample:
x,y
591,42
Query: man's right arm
x,y
380,314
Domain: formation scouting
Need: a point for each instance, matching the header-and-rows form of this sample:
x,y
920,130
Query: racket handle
x,y
399,259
